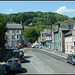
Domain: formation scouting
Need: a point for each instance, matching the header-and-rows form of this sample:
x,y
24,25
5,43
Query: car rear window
x,y
13,62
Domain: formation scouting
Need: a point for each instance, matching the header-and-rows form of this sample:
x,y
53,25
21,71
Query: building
x,y
58,34
45,38
70,41
14,35
48,39
42,38
55,37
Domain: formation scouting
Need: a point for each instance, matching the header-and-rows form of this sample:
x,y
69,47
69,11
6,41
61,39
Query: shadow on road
x,y
14,73
27,57
26,61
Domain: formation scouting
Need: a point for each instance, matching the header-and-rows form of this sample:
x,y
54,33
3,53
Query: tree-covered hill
x,y
33,22
35,18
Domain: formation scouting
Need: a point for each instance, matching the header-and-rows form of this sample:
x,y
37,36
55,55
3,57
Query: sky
x,y
60,7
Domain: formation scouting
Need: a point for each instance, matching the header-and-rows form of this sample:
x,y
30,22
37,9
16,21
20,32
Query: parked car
x,y
40,46
33,46
37,46
71,59
19,47
13,65
18,54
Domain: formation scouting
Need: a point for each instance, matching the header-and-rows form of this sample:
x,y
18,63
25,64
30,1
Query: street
x,y
40,62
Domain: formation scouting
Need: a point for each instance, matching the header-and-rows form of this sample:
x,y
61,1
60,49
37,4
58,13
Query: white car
x,y
33,46
40,46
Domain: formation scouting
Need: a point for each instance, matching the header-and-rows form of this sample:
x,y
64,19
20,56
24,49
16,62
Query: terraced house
x,y
70,41
14,35
55,37
58,34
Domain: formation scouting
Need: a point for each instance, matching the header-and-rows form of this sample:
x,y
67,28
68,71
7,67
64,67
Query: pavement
x,y
56,52
6,56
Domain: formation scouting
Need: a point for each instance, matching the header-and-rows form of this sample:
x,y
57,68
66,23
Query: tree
x,y
30,34
3,29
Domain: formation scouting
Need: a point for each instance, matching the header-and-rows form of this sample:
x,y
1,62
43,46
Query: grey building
x,y
14,35
58,34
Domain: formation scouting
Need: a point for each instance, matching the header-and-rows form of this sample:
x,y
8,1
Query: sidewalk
x,y
6,55
59,53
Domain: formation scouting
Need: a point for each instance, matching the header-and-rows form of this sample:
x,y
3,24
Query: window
x,y
60,34
13,31
17,36
67,46
13,36
8,42
8,31
13,43
8,36
17,42
70,45
69,27
17,31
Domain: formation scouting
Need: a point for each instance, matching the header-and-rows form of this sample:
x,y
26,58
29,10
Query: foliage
x,y
30,34
33,22
3,29
37,18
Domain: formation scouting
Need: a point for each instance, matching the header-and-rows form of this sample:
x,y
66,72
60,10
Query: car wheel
x,y
72,63
67,61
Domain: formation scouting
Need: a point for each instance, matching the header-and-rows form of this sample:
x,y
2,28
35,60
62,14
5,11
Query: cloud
x,y
64,9
10,10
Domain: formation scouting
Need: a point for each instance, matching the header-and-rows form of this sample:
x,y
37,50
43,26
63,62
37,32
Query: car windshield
x,y
13,62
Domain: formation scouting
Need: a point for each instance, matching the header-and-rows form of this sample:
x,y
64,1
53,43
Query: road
x,y
41,62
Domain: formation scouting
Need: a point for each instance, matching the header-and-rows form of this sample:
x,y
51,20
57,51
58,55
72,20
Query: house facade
x,y
57,35
42,38
45,38
64,27
70,42
14,35
48,39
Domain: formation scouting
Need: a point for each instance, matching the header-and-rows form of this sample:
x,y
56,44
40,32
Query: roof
x,y
13,59
66,20
69,33
13,25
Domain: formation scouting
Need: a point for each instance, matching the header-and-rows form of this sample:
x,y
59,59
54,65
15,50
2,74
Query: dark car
x,y
13,65
71,59
18,54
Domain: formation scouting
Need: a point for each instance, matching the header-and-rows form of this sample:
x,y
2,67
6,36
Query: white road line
x,y
36,68
50,69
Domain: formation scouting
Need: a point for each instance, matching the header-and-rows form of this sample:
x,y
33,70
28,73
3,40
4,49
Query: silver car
x,y
71,59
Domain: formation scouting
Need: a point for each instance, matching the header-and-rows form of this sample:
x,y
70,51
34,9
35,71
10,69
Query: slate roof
x,y
69,33
13,25
66,21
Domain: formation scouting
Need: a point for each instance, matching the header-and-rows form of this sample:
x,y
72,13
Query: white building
x,y
70,42
14,35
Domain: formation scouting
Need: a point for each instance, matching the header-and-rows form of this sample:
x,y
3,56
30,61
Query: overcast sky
x,y
61,7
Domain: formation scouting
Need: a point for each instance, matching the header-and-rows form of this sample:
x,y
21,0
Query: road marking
x,y
36,68
50,69
52,53
2,63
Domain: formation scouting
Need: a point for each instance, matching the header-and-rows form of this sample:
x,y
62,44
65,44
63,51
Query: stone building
x,y
70,41
14,35
58,34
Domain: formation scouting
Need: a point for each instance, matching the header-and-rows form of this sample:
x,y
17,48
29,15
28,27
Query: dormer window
x,y
69,26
